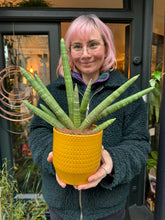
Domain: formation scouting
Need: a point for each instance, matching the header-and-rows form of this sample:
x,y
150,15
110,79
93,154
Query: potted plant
x,y
75,125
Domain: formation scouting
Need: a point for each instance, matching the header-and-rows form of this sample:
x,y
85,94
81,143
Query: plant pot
x,y
76,157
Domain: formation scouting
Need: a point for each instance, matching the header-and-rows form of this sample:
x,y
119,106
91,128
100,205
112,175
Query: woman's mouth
x,y
86,63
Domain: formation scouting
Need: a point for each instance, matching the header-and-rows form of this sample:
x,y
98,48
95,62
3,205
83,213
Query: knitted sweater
x,y
127,141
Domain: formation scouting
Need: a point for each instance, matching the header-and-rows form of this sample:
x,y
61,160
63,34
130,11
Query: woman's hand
x,y
104,169
62,184
50,159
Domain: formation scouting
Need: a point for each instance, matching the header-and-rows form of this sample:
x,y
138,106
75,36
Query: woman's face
x,y
88,54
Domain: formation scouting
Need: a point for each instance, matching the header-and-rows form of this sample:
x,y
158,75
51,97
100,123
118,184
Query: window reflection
x,y
32,53
64,3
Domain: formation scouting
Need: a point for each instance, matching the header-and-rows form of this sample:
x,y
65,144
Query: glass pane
x,y
86,4
158,35
118,31
157,52
65,4
32,53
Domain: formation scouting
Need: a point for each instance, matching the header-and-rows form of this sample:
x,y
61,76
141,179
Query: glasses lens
x,y
76,49
92,47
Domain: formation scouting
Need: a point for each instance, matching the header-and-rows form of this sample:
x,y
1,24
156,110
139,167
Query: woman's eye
x,y
76,47
93,45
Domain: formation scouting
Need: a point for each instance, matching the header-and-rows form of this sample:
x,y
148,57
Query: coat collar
x,y
111,79
104,76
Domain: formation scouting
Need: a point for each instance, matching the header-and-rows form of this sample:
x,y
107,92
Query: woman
x,y
91,54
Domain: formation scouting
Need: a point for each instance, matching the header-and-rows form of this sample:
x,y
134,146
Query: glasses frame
x,y
89,50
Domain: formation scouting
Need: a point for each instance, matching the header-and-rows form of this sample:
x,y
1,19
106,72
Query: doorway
x,y
131,27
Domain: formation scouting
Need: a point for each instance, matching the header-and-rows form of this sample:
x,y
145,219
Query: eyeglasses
x,y
92,47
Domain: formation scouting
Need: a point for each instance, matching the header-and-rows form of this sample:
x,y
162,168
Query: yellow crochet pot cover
x,y
76,157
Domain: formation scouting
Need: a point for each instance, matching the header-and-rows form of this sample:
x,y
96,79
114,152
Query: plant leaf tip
x,y
137,76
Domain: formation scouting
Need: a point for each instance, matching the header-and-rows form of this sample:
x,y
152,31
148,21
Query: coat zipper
x,y
80,192
87,112
80,204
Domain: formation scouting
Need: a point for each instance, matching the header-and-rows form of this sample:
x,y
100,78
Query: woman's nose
x,y
85,52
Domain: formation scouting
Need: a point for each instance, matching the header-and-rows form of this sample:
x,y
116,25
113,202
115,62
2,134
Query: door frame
x,y
139,14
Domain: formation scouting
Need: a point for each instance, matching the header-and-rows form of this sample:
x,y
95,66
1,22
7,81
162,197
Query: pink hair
x,y
83,25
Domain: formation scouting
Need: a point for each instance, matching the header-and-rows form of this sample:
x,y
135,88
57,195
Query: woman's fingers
x,y
50,157
106,161
104,169
62,184
93,180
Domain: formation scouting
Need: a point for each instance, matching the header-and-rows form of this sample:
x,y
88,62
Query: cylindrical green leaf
x,y
104,125
52,121
48,111
76,105
120,104
40,82
85,101
49,100
105,103
67,77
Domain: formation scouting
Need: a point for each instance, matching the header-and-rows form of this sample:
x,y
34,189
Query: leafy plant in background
x,y
155,95
28,175
154,116
154,106
152,160
33,3
26,172
25,3
13,206
76,119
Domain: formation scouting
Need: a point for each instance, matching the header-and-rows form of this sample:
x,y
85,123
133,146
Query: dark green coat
x,y
127,141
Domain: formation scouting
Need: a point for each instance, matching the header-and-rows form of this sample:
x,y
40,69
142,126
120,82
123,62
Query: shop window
x,y
32,53
64,3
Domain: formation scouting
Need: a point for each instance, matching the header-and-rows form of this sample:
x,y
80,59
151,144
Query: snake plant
x,y
76,119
